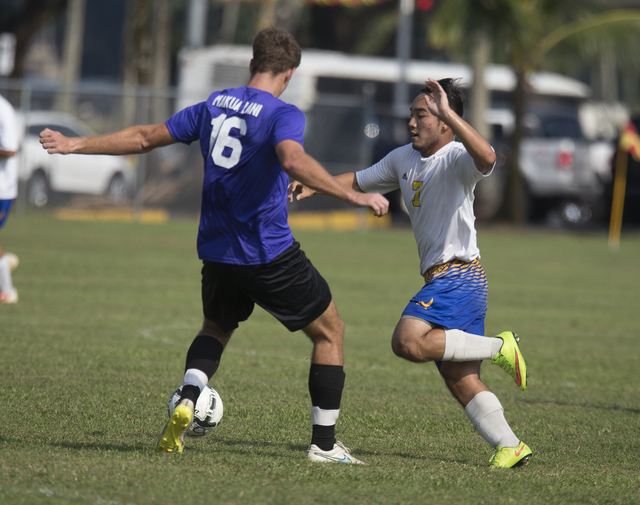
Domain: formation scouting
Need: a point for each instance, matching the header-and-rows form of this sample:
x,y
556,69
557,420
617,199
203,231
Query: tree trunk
x,y
33,15
480,97
516,197
283,14
136,58
489,191
161,59
230,17
72,55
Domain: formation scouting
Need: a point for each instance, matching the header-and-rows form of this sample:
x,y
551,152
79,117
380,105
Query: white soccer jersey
x,y
438,193
9,141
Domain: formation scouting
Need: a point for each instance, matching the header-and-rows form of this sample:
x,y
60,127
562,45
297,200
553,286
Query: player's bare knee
x,y
397,347
211,329
403,347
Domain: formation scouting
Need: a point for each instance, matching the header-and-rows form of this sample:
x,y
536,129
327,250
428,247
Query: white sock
x,y
463,346
487,416
195,377
324,417
6,286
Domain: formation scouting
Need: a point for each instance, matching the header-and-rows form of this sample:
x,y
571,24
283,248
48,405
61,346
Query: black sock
x,y
204,355
326,383
323,436
190,392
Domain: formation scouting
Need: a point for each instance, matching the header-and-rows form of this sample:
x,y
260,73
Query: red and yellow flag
x,y
630,141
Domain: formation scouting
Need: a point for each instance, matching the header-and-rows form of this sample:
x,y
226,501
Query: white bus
x,y
205,70
348,102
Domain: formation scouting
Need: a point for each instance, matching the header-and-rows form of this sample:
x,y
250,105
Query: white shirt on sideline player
x,y
9,141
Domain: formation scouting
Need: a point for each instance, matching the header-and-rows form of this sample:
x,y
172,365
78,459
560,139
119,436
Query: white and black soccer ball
x,y
208,412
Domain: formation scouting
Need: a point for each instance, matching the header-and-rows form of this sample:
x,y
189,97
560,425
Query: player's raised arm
x,y
479,149
133,140
303,168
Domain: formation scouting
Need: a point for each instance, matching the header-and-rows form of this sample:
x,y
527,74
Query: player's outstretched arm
x,y
133,140
307,171
479,149
301,191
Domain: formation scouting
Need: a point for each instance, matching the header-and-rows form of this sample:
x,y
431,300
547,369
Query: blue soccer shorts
x,y
454,297
5,207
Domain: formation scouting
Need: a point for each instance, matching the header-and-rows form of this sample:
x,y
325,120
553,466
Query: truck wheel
x,y
117,190
38,189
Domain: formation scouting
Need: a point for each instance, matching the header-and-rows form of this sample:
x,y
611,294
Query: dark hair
x,y
455,96
275,51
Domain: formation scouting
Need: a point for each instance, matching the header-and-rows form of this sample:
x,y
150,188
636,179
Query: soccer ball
x,y
208,412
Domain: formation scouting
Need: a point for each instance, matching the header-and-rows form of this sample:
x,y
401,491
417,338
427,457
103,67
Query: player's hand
x,y
378,203
436,99
54,142
301,190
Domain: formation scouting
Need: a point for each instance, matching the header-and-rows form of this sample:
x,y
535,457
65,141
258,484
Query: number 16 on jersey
x,y
220,129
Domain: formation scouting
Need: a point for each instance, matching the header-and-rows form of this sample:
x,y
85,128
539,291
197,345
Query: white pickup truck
x,y
562,170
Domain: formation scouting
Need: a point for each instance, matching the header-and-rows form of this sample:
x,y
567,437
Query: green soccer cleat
x,y
510,457
510,359
172,438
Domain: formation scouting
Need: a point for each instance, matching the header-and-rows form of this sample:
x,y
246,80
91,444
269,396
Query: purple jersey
x,y
243,219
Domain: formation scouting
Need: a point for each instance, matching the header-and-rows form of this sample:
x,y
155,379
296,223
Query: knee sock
x,y
203,359
487,416
6,286
463,346
326,383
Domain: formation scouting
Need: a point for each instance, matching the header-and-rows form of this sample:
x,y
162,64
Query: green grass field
x,y
97,344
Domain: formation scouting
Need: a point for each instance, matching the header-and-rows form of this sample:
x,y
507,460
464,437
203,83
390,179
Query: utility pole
x,y
196,23
404,36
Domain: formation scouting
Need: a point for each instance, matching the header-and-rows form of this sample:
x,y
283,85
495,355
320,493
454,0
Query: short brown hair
x,y
274,51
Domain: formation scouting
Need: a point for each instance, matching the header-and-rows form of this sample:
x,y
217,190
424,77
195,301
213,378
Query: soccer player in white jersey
x,y
444,321
9,140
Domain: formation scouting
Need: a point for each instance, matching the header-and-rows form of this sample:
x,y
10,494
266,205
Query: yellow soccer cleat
x,y
510,359
511,457
172,438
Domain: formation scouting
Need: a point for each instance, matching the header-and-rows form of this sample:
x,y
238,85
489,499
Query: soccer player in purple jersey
x,y
250,141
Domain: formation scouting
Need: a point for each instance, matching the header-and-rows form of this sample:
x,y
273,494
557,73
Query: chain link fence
x,y
169,178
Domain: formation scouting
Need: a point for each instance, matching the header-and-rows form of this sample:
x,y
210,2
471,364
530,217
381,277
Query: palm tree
x,y
528,29
482,26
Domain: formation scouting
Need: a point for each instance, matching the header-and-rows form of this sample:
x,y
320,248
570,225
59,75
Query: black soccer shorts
x,y
289,288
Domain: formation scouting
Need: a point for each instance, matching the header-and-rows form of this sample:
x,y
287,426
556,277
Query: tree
x,y
72,57
528,29
471,29
24,18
